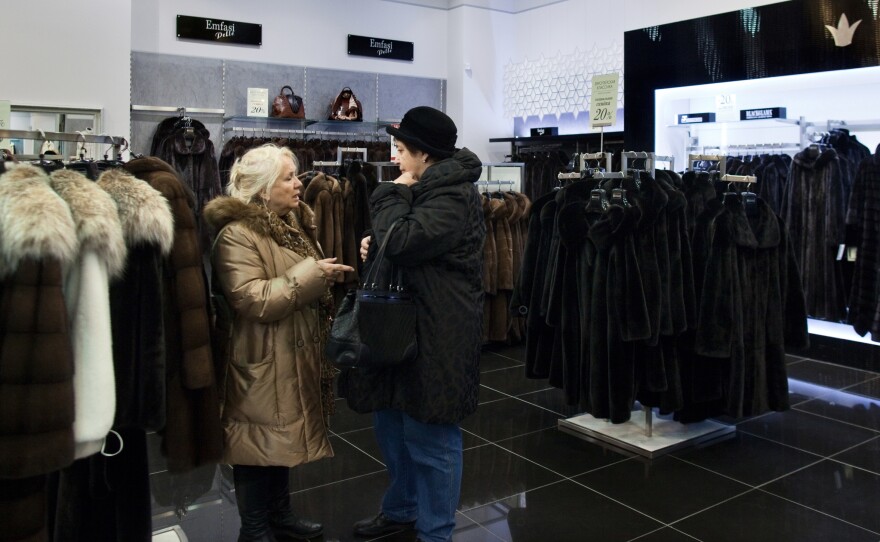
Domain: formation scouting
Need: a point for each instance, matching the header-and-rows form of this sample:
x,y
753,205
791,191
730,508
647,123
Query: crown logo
x,y
843,34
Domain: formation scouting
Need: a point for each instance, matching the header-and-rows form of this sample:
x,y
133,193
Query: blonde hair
x,y
257,170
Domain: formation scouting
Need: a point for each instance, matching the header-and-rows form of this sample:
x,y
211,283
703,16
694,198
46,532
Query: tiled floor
x,y
812,473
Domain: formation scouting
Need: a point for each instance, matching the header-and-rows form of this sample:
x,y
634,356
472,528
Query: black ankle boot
x,y
284,523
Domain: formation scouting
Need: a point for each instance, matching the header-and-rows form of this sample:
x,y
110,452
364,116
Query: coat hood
x,y
143,212
96,218
35,223
463,167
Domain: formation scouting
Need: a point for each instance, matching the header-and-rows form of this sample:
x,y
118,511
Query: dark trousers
x,y
260,492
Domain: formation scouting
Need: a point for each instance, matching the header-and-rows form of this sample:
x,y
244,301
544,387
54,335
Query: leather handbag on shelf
x,y
346,106
288,106
375,325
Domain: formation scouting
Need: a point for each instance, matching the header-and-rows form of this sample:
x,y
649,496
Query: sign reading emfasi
x,y
219,30
380,47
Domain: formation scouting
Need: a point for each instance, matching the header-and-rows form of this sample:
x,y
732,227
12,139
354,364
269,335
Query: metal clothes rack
x,y
722,167
583,158
860,126
39,135
650,436
177,109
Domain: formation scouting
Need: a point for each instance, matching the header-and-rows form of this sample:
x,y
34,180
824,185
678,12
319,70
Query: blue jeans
x,y
424,463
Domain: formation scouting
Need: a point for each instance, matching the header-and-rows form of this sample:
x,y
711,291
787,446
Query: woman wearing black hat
x,y
417,406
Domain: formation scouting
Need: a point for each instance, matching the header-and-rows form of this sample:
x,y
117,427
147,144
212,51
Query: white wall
x,y
301,32
69,54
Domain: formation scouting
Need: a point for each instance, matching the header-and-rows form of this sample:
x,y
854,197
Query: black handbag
x,y
375,325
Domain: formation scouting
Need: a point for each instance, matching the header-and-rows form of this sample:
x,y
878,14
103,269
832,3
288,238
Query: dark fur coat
x,y
864,218
192,435
751,307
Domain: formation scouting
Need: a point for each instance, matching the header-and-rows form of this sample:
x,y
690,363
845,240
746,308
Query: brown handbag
x,y
288,106
346,106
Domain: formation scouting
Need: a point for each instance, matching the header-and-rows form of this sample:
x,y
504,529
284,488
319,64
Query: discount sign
x,y
603,104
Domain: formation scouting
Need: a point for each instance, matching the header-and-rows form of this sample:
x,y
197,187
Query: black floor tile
x,y
867,389
666,489
493,362
512,381
760,517
514,352
839,490
806,431
552,399
865,456
508,418
348,462
827,375
487,395
561,512
748,459
492,473
561,452
667,534
346,419
846,407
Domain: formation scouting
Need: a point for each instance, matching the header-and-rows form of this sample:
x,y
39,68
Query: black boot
x,y
283,521
253,491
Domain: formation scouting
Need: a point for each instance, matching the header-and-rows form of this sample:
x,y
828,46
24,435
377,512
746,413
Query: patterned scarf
x,y
287,232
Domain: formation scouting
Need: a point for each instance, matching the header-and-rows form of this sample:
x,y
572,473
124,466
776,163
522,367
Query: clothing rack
x,y
584,157
351,150
39,135
722,167
499,183
648,437
648,157
182,110
380,169
860,126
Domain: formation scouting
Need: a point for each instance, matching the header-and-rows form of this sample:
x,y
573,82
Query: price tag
x,y
725,107
5,113
603,102
258,102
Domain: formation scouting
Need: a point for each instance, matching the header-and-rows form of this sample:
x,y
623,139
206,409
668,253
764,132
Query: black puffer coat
x,y
440,246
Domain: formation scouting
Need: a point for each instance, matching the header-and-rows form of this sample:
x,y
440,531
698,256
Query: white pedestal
x,y
666,435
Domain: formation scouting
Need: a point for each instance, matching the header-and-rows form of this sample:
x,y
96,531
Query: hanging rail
x,y
182,110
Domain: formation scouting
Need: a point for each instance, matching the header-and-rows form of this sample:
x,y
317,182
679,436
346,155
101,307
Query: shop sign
x,y
219,30
603,100
764,113
380,47
545,132
696,118
258,102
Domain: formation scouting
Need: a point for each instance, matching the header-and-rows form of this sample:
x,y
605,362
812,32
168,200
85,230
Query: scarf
x,y
287,232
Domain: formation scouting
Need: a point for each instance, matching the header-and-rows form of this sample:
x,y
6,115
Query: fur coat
x,y
439,247
751,307
136,300
814,210
271,410
863,217
100,258
323,195
38,244
192,435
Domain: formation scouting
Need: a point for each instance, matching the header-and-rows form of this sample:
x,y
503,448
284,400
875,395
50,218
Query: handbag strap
x,y
372,275
286,87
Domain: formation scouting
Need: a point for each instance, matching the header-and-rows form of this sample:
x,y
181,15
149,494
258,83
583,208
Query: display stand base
x,y
666,435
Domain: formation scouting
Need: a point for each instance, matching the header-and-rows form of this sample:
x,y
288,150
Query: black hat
x,y
428,130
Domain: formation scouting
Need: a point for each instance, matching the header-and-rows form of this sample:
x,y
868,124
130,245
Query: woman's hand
x,y
406,178
365,247
332,270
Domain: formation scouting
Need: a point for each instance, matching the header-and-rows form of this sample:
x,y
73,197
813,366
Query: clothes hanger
x,y
598,202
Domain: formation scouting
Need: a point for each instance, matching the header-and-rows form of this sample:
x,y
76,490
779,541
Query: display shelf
x,y
644,436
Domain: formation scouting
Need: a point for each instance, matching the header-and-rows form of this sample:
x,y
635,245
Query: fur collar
x,y
318,184
759,231
222,211
35,223
806,159
617,223
143,211
97,221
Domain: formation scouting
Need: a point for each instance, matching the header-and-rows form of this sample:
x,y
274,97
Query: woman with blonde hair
x,y
276,306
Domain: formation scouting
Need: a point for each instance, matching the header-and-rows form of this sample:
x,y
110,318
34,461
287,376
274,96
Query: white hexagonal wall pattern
x,y
553,86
